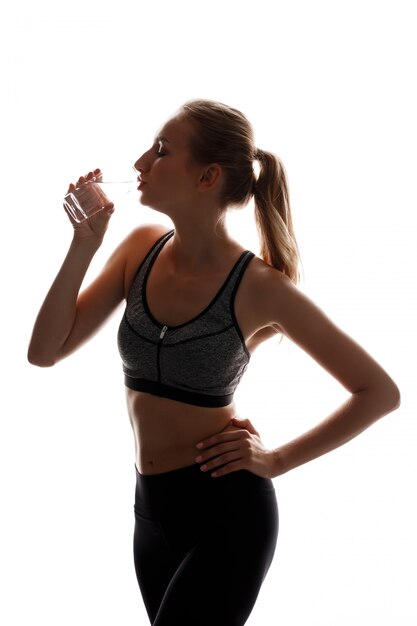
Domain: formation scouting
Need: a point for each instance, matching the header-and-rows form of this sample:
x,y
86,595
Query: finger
x,y
109,209
106,212
245,423
220,461
216,451
231,435
228,469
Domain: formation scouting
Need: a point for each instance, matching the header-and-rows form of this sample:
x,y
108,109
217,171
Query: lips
x,y
141,184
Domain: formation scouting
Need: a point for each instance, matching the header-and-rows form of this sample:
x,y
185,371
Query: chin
x,y
144,202
154,207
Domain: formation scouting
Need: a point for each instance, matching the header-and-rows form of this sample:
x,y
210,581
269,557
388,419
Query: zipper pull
x,y
163,331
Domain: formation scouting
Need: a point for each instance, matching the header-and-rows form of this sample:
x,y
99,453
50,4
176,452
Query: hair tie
x,y
259,155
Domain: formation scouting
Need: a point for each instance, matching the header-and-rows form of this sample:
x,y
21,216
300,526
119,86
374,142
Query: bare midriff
x,y
166,431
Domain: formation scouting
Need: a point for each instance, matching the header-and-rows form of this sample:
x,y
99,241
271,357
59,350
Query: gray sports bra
x,y
199,362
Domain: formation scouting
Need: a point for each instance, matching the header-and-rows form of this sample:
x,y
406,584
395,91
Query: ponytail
x,y
221,134
278,245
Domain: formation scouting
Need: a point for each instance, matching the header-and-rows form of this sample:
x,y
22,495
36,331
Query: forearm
x,y
57,314
361,410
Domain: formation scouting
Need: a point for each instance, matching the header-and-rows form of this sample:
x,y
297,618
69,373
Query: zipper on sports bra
x,y
161,338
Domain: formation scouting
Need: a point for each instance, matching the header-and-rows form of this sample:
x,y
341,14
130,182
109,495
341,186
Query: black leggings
x,y
203,545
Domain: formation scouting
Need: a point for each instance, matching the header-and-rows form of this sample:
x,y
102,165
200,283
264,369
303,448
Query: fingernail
x,y
203,468
198,459
199,445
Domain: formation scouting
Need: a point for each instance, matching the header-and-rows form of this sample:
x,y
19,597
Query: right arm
x,y
65,319
68,319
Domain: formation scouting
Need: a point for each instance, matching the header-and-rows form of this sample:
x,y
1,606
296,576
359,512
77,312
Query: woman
x,y
198,304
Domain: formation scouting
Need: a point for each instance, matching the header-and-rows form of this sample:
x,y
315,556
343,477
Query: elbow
x,y
40,360
390,396
395,397
383,397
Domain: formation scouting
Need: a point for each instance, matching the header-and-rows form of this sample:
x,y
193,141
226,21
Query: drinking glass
x,y
93,195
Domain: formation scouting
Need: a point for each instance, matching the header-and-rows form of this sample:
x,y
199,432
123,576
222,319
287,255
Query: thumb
x,y
246,424
106,212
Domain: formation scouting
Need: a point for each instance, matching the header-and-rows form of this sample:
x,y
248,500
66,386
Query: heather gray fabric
x,y
200,362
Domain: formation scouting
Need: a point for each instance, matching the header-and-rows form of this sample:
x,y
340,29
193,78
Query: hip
x,y
188,504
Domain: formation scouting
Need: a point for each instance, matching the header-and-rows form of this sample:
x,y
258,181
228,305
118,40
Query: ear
x,y
210,177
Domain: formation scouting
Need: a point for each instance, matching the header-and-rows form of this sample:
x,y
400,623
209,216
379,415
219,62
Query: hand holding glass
x,y
91,196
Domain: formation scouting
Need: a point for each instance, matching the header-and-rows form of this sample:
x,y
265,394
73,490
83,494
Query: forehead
x,y
176,130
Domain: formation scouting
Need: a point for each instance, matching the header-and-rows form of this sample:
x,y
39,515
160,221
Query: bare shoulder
x,y
141,237
279,304
136,246
266,290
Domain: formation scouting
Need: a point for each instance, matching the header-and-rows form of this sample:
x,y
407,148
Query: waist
x,y
190,483
166,431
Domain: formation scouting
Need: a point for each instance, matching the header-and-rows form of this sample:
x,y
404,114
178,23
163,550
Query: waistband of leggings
x,y
192,475
189,472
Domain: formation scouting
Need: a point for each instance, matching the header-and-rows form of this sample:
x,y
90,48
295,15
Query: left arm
x,y
373,392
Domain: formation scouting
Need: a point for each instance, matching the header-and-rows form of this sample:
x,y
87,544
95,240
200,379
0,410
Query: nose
x,y
141,165
137,168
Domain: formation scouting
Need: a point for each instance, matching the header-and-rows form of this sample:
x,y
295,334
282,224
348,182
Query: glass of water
x,y
92,196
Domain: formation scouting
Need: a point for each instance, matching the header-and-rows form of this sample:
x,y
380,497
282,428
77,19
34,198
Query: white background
x,y
330,87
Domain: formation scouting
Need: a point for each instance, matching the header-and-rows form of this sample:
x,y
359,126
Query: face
x,y
169,178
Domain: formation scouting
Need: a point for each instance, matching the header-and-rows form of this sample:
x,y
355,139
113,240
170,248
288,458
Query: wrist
x,y
88,244
278,466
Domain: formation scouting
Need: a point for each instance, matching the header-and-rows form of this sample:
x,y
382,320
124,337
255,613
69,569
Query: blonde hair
x,y
224,135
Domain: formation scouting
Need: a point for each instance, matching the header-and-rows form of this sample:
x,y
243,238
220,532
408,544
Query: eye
x,y
160,151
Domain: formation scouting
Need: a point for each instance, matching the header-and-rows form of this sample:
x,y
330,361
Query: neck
x,y
199,244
